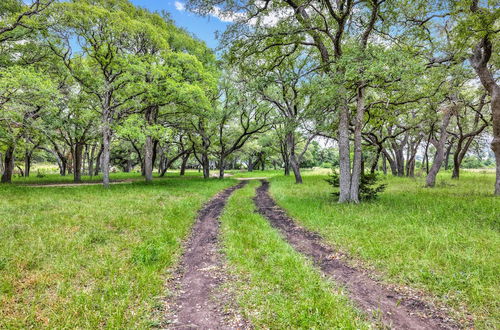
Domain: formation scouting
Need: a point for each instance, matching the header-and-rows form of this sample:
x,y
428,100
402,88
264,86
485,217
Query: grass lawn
x,y
276,287
85,257
56,178
445,240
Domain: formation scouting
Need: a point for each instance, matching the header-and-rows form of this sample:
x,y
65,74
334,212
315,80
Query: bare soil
x,y
199,300
377,300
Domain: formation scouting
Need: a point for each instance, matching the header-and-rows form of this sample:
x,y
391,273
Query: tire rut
x,y
198,301
378,301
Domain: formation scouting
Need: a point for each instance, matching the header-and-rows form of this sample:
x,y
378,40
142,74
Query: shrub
x,y
368,188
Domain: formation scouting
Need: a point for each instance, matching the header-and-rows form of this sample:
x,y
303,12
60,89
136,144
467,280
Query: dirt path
x,y
377,300
198,300
250,179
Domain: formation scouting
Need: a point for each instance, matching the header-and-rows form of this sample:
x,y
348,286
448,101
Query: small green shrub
x,y
368,188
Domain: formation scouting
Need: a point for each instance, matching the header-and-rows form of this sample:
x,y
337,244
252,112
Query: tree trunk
x,y
148,159
293,158
78,157
85,157
439,156
374,165
185,160
250,165
400,162
426,155
21,172
344,155
106,150
357,167
8,165
384,164
456,167
91,161
27,163
447,156
479,60
412,154
399,157
287,168
392,163
205,164
222,164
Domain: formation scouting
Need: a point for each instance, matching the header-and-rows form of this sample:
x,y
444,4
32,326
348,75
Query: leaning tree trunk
x,y
185,160
294,164
384,164
392,163
479,60
374,164
440,146
8,165
456,166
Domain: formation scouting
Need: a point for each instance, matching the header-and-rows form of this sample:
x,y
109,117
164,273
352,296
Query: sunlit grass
x,y
444,240
86,257
278,288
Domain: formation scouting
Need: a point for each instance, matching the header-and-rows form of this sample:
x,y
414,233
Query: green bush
x,y
368,188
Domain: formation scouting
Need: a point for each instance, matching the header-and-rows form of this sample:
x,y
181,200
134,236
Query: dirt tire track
x,y
198,302
395,310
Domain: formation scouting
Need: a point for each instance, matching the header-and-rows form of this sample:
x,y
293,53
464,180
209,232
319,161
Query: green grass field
x,y
444,241
85,257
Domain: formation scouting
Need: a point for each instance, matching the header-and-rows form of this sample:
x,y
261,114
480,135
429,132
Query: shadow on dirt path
x,y
378,301
198,301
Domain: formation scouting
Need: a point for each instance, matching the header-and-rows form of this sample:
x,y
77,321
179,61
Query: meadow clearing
x,y
87,257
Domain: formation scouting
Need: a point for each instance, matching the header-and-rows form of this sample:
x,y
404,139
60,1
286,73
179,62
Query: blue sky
x,y
202,27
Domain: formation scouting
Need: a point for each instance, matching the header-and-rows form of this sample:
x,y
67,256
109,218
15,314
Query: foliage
x,y
367,188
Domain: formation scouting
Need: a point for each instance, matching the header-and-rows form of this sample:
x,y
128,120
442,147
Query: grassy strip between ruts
x,y
275,286
443,240
85,257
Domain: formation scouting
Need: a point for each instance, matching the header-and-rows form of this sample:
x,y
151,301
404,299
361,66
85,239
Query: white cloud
x,y
269,19
227,17
180,6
